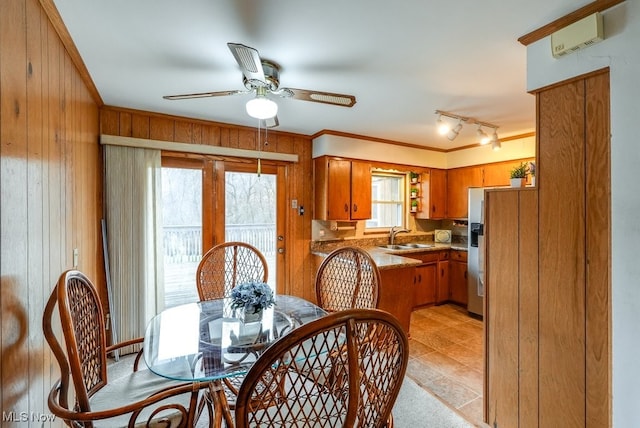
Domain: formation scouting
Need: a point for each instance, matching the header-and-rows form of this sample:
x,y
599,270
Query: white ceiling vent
x,y
578,35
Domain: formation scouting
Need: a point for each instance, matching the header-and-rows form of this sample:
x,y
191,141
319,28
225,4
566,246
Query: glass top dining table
x,y
208,340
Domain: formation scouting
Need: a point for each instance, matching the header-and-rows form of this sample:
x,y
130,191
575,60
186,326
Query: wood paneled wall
x,y
549,295
300,269
511,315
51,193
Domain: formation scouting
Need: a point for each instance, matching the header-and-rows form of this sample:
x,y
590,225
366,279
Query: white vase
x,y
517,182
248,315
533,180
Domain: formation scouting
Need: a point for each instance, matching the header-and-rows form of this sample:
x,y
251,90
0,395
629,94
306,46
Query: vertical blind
x,y
133,216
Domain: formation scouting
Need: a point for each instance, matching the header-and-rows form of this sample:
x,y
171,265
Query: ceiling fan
x,y
262,77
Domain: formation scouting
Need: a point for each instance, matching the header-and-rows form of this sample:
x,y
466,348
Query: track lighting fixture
x,y
483,138
452,134
495,143
444,128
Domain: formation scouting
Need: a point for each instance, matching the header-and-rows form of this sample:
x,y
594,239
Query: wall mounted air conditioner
x,y
579,35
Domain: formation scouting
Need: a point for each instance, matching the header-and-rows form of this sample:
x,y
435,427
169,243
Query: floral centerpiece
x,y
253,297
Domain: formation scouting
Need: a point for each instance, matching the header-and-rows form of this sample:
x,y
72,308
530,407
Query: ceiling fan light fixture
x,y
261,107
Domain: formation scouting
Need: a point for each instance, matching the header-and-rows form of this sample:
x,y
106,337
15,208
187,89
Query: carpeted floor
x,y
415,407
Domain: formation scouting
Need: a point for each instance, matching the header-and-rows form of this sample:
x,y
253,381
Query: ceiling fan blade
x,y
321,97
204,95
249,60
271,122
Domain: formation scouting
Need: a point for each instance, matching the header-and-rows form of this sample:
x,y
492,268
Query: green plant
x,y
520,171
414,203
532,169
413,175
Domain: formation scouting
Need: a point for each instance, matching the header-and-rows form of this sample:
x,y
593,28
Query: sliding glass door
x,y
206,202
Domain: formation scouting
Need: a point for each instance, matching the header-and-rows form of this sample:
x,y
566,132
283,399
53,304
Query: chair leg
x,y
220,405
390,421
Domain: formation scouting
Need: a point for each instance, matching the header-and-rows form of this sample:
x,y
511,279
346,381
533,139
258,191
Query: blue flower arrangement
x,y
252,294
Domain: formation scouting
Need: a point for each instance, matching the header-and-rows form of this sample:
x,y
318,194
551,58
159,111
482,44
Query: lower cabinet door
x,y
426,279
458,282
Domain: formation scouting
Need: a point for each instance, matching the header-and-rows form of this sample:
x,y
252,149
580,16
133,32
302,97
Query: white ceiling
x,y
402,60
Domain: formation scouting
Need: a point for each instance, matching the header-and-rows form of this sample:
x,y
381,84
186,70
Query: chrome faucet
x,y
394,231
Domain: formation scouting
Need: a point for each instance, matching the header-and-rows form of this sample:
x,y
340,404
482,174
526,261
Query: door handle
x,y
280,250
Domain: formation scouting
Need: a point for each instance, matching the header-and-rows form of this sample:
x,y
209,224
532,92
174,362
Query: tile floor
x,y
446,357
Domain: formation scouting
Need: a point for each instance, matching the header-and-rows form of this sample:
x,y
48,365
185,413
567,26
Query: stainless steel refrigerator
x,y
475,257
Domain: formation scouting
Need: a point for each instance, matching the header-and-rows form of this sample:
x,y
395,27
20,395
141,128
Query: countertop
x,y
391,259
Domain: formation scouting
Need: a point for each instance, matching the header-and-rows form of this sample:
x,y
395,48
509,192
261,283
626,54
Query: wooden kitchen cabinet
x,y
396,293
343,189
458,277
458,182
433,195
426,280
444,290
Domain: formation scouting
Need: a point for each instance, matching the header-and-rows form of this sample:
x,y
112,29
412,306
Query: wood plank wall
x,y
299,265
511,320
51,195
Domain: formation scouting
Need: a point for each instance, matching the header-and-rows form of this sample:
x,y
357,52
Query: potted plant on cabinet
x,y
532,171
414,192
414,206
414,176
518,174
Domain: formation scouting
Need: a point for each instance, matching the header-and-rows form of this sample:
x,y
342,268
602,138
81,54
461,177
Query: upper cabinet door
x,y
433,195
360,190
343,189
339,190
458,182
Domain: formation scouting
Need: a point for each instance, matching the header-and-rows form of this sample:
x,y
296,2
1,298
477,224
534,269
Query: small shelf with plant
x,y
414,192
414,177
518,174
414,205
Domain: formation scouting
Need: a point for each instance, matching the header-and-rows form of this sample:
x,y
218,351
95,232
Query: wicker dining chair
x,y
223,267
342,370
136,398
347,279
226,265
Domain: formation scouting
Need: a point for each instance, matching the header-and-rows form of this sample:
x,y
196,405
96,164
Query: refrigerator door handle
x,y
480,287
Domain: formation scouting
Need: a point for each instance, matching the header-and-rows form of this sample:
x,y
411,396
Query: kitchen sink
x,y
404,246
393,247
417,245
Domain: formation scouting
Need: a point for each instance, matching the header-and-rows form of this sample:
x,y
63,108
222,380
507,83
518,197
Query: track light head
x,y
443,127
495,143
483,138
455,131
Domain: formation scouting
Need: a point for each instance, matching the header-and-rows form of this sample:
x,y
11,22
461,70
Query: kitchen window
x,y
387,200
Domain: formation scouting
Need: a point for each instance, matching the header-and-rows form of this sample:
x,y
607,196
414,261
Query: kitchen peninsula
x,y
410,277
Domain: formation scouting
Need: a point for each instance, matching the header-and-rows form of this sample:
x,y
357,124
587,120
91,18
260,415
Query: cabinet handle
x,y
433,208
355,207
420,278
346,208
465,274
442,272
